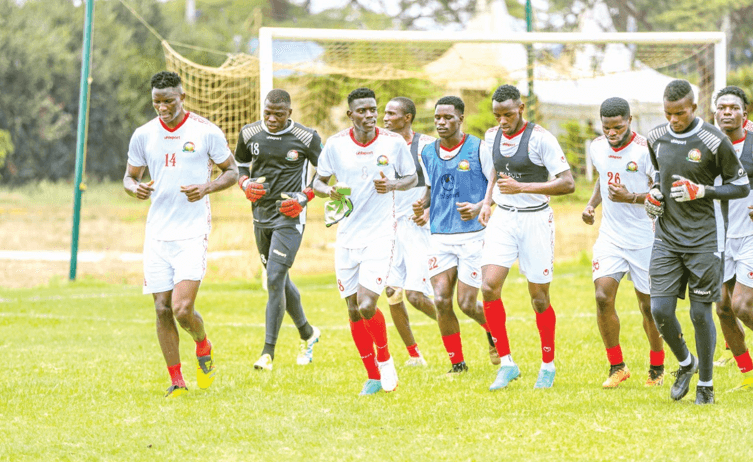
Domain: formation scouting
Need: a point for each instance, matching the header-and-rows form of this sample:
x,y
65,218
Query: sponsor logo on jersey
x,y
509,145
464,165
694,155
292,155
632,167
270,137
678,141
189,147
514,175
447,181
382,161
701,292
277,252
364,153
171,137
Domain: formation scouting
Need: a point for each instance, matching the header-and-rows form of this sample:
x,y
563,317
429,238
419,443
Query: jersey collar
x,y
515,134
353,137
290,126
689,133
626,144
745,133
171,130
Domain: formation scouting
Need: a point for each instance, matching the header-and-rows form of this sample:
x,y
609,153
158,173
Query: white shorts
x,y
466,256
524,236
368,267
409,270
738,260
166,263
610,259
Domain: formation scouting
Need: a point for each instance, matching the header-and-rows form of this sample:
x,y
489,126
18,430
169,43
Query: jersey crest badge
x,y
464,165
694,155
189,147
292,155
632,166
382,161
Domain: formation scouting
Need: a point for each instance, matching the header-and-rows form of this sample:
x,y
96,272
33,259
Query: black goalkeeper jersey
x,y
704,155
283,159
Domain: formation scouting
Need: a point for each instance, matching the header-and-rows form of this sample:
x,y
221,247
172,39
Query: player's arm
x,y
486,205
384,185
560,185
133,185
227,178
322,188
589,212
654,202
734,185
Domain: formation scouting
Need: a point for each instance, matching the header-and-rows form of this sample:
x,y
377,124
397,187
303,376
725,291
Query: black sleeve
x,y
242,154
315,148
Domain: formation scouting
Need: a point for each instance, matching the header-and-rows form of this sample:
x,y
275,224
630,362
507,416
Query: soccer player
x,y
273,156
373,163
625,236
409,270
524,156
737,291
696,163
457,170
179,149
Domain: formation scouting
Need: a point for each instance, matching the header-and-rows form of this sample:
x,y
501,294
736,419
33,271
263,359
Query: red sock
x,y
614,355
486,327
656,358
744,362
726,345
413,351
365,346
203,347
496,319
176,377
377,328
546,322
454,347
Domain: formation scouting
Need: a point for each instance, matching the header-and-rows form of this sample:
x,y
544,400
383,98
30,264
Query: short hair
x,y
734,91
677,90
165,79
277,96
407,105
360,93
505,92
454,101
614,107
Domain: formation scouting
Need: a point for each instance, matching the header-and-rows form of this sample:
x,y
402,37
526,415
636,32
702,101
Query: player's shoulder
x,y
426,139
303,133
388,134
711,136
657,132
640,140
492,132
748,125
338,138
202,121
250,130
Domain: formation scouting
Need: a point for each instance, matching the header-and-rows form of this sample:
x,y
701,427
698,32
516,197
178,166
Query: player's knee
x,y
724,309
540,303
183,310
603,300
394,295
490,291
443,303
700,313
163,311
414,298
367,310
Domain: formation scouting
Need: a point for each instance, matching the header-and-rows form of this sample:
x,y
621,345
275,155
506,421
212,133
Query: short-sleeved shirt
x,y
704,155
740,224
374,216
282,158
543,150
404,199
176,157
625,225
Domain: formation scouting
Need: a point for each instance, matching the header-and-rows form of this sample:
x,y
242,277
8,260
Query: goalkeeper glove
x,y
684,190
654,203
254,188
292,203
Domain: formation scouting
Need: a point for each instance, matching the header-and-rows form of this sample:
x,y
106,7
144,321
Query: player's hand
x,y
383,184
423,219
255,188
339,191
684,190
508,185
292,203
588,215
484,214
467,210
144,190
418,209
618,193
750,214
654,203
194,192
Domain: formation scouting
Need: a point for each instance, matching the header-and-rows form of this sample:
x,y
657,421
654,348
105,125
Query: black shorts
x,y
279,244
670,272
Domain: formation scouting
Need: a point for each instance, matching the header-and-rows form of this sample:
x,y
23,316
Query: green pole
x,y
530,113
83,104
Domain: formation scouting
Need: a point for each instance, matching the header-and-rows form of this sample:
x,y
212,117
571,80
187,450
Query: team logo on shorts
x,y
594,266
448,182
379,281
189,147
474,275
694,155
750,276
464,165
292,155
632,166
382,161
546,272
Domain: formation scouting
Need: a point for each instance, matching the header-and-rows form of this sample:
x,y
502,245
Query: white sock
x,y
686,361
710,383
549,367
506,360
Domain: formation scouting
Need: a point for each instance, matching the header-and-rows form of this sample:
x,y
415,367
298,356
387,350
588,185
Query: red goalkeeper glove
x,y
684,190
292,203
255,188
654,203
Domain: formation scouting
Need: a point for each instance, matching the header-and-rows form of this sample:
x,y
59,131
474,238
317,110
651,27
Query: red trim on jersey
x,y
465,135
741,139
516,134
412,134
353,137
177,126
628,143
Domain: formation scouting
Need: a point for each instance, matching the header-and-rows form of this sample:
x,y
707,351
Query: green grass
x,y
84,377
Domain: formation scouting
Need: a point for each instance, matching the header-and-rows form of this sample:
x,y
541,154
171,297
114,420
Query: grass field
x,y
84,376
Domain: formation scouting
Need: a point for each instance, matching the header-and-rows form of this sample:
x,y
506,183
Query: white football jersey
x,y
740,224
625,225
404,199
543,150
178,157
374,216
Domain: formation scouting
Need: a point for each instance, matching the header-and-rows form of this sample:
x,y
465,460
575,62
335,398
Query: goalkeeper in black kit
x,y
273,156
695,163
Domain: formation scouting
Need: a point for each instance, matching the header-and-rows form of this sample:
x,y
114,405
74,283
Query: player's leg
x,y
655,342
308,334
546,322
443,285
493,278
401,321
275,299
417,285
609,327
732,330
422,303
742,304
167,335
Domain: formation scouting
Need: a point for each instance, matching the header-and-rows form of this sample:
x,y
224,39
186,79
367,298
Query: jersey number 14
x,y
170,160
